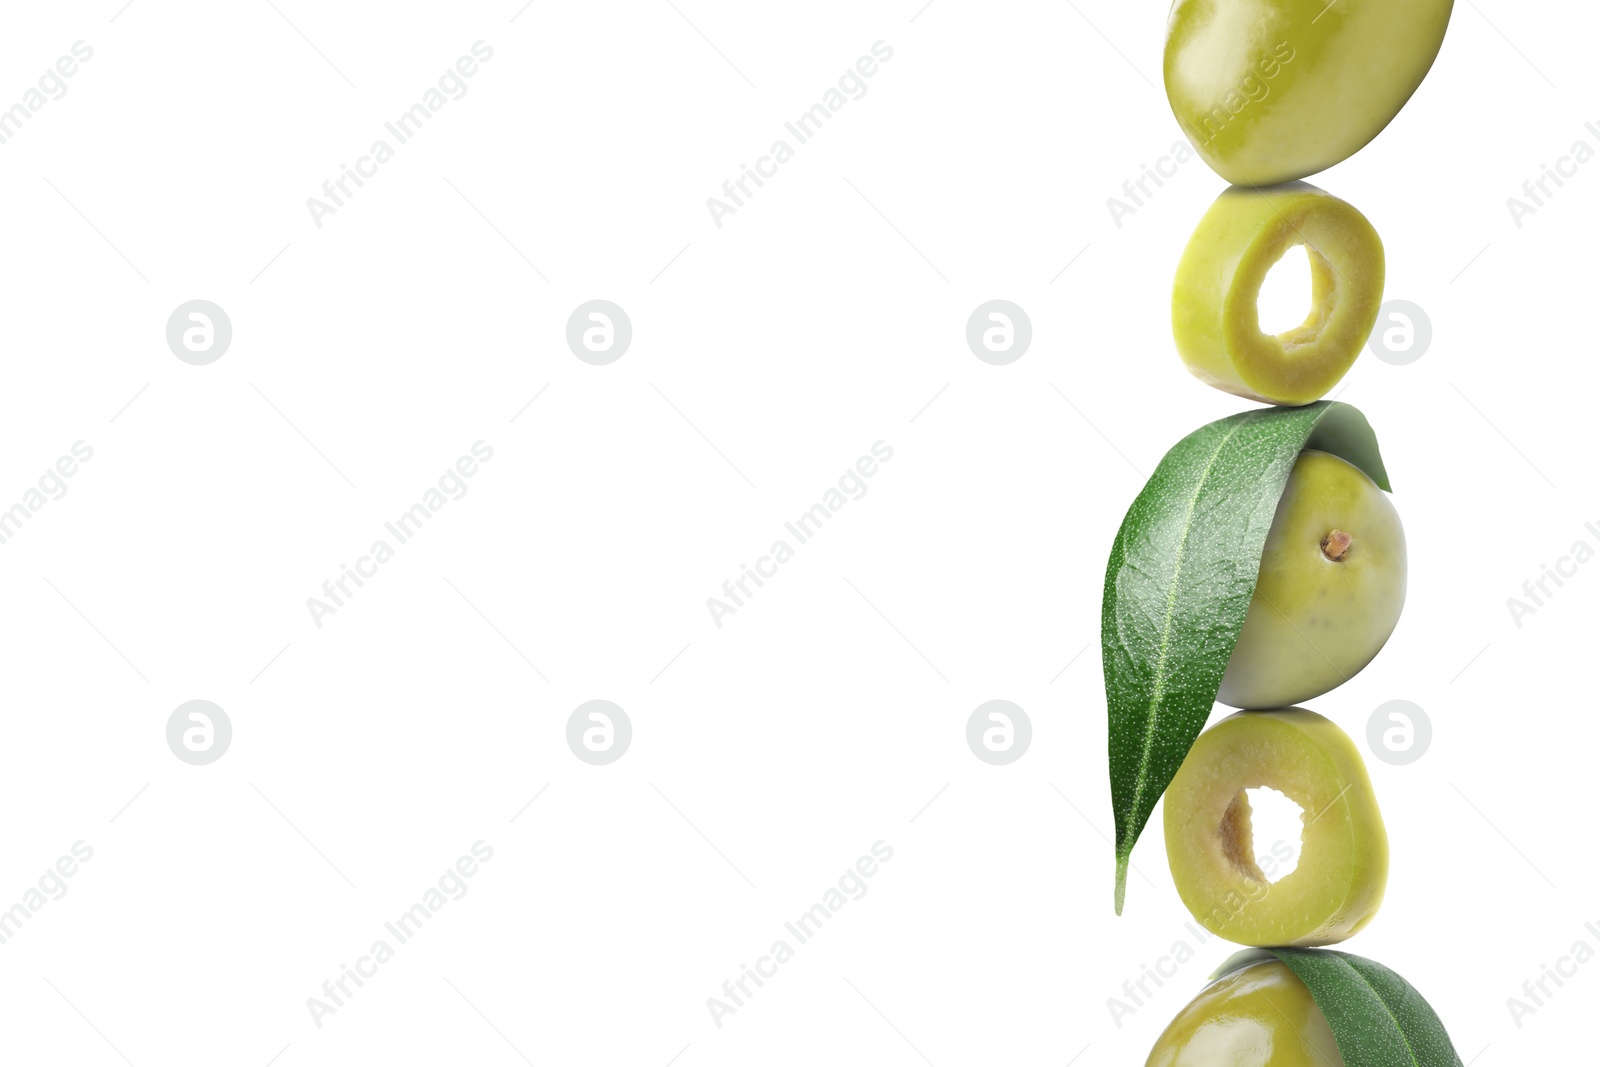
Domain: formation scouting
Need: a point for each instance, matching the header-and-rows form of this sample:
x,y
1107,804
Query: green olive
x,y
1259,1016
1214,317
1273,90
1329,592
1337,886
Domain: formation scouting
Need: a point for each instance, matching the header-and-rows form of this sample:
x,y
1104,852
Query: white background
x,y
768,354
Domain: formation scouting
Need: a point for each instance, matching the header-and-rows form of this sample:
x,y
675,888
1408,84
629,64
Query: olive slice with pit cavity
x,y
1215,321
1338,884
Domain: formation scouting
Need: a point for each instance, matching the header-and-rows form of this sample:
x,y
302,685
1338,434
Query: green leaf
x,y
1377,1017
1179,582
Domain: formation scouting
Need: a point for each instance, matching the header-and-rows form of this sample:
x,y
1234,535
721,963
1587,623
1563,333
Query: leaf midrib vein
x,y
1142,777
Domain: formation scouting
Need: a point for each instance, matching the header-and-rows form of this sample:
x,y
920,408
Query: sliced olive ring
x,y
1242,236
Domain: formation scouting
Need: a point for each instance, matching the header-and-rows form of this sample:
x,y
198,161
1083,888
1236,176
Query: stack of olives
x,y
1270,91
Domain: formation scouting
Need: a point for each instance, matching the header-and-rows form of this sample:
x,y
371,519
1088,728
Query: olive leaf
x,y
1179,582
1376,1016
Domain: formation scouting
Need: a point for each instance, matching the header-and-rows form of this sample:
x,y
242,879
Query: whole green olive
x,y
1330,590
1273,90
1259,1016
